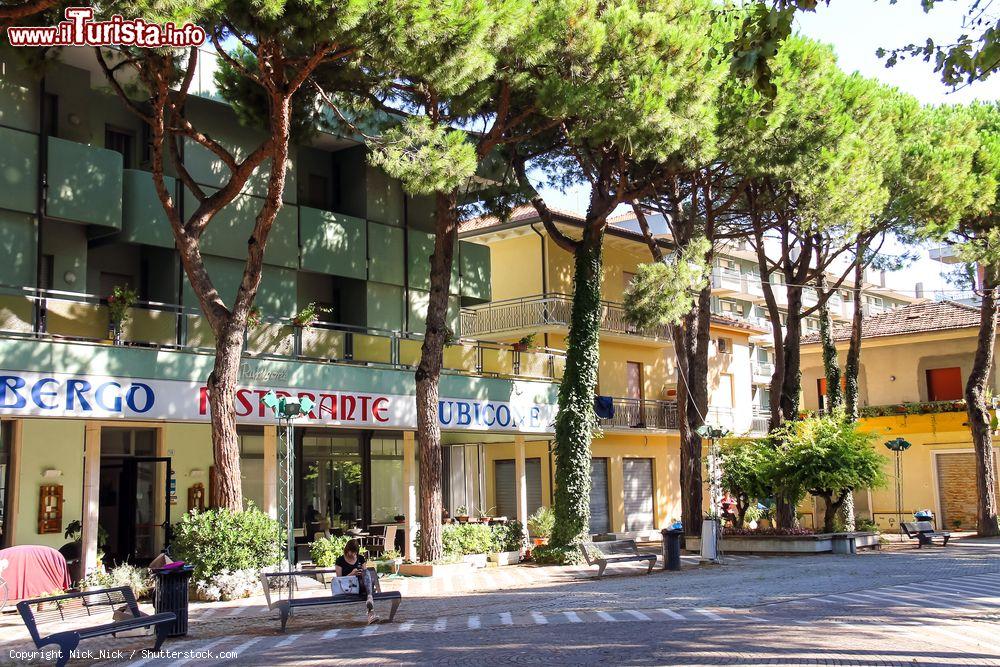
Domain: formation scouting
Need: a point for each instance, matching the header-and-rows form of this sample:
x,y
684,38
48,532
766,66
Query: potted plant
x,y
462,514
525,343
119,302
308,316
389,562
540,525
508,540
254,317
399,518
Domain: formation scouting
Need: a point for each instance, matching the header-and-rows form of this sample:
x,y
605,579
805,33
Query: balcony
x,y
762,372
74,317
760,423
752,287
726,281
720,416
869,309
529,314
633,413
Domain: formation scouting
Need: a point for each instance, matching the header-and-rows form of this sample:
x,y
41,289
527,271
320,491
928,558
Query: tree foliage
x,y
745,472
663,292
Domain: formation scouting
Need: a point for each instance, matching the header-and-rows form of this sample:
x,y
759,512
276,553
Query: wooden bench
x,y
602,554
287,581
88,614
923,532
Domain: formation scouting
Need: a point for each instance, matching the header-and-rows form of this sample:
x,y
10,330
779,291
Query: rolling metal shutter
x,y
506,487
600,519
638,478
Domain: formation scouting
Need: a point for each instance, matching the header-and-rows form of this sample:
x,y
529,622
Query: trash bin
x,y
172,595
671,548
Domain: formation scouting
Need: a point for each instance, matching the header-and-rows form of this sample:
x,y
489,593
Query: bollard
x,y
671,548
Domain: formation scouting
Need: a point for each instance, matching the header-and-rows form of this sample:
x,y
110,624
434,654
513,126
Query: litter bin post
x,y
671,548
172,595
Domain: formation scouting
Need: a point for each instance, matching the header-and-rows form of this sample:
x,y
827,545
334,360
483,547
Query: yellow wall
x,y
662,448
516,267
905,358
56,444
189,447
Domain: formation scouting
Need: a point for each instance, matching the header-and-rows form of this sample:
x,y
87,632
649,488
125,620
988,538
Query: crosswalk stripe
x,y
370,630
474,623
440,624
607,617
405,627
330,634
202,648
672,614
505,618
638,614
709,615
539,618
573,617
244,646
290,639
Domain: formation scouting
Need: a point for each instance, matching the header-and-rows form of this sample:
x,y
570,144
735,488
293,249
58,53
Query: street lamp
x,y
286,409
710,526
897,446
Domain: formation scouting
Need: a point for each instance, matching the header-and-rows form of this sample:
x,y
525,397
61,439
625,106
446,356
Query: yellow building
x,y
635,462
914,365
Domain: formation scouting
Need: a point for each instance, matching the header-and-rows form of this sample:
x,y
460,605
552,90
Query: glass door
x,y
330,493
134,508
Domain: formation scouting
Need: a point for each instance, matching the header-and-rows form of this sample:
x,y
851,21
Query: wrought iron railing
x,y
641,414
76,317
547,310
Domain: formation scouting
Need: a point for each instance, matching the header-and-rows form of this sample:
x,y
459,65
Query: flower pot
x,y
399,518
462,518
505,557
539,541
475,560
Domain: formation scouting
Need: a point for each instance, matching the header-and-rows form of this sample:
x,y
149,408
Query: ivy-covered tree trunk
x,y
976,390
791,386
852,369
428,377
575,420
831,359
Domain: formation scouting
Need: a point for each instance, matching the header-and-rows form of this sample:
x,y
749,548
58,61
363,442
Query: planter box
x,y
434,570
506,557
783,544
475,560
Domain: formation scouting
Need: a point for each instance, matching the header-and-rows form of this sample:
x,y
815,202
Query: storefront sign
x,y
100,397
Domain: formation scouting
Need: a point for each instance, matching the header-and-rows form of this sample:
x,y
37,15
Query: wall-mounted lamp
x,y
892,378
51,472
73,119
69,277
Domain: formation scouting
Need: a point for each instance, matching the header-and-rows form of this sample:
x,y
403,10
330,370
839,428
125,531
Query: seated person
x,y
353,563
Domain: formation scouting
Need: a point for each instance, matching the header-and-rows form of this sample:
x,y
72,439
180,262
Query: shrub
x,y
507,536
541,522
325,551
466,538
228,585
223,540
137,578
551,555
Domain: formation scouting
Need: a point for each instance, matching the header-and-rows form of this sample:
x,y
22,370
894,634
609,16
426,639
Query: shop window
x,y
386,473
251,441
330,470
116,441
944,384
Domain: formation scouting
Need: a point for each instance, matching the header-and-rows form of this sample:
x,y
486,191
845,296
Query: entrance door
x,y
134,507
504,478
638,478
634,377
600,518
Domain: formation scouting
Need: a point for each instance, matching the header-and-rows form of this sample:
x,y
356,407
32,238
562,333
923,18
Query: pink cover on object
x,y
34,571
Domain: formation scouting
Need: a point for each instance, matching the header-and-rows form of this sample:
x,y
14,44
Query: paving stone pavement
x,y
900,606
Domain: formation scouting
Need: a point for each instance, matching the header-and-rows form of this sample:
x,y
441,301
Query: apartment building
x,y
634,469
115,434
737,293
915,362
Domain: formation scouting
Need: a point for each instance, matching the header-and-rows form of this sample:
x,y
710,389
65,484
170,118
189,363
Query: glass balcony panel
x,y
199,332
271,338
461,357
372,349
498,361
156,327
76,319
323,343
16,313
409,352
535,364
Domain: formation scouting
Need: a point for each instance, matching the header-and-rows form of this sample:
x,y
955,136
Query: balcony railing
x,y
546,310
760,423
642,414
720,416
763,369
70,316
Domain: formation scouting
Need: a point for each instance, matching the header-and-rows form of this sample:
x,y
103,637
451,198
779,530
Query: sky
x,y
856,29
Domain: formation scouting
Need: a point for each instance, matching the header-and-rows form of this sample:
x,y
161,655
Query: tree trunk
x,y
227,489
831,510
976,391
831,360
575,420
428,376
852,391
791,385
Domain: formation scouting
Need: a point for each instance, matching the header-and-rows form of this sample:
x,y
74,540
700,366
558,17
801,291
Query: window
x,y
318,193
725,345
821,389
730,307
944,384
109,281
634,375
762,355
251,443
120,141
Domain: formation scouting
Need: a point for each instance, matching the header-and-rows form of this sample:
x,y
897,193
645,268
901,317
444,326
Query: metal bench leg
x,y
161,635
284,610
652,564
944,540
600,568
66,644
392,611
